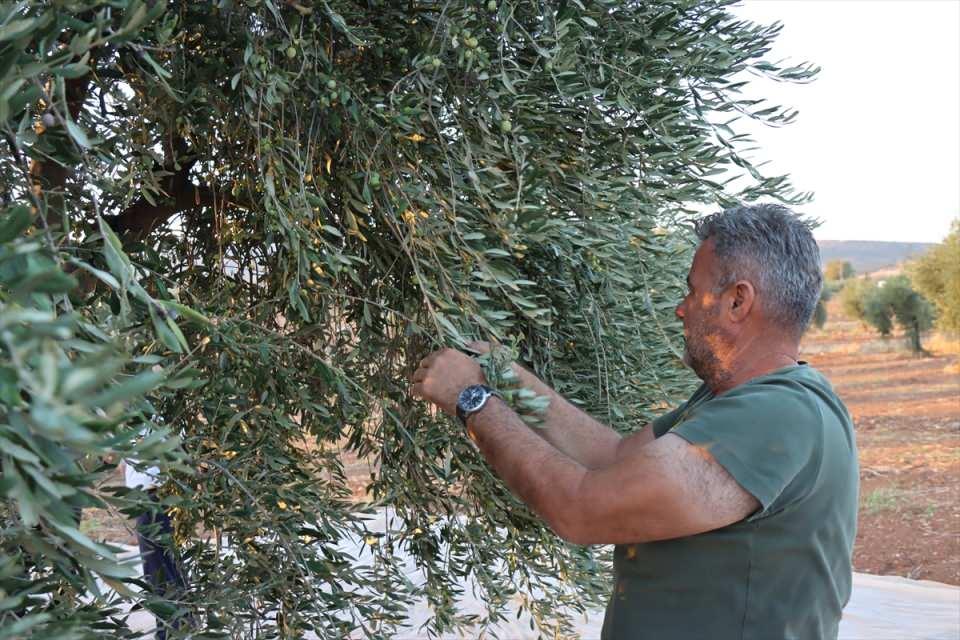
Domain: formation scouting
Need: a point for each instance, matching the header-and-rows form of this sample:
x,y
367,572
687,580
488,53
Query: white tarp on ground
x,y
897,608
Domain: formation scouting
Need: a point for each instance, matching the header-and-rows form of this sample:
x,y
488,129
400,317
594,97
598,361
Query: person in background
x,y
155,538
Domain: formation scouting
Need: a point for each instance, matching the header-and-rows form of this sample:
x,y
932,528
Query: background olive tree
x,y
820,311
936,275
887,303
836,273
838,270
853,295
255,217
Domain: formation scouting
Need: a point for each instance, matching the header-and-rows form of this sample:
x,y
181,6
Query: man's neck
x,y
755,358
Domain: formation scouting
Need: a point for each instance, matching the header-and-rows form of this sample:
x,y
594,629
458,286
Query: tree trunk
x,y
915,346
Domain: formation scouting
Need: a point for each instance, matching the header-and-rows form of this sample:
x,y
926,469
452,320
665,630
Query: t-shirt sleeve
x,y
764,435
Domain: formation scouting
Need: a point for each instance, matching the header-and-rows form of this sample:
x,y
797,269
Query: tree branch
x,y
51,177
141,217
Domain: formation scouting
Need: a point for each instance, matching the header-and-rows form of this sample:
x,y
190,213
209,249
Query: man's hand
x,y
442,375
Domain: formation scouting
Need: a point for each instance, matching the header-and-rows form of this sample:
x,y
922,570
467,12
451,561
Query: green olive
x,y
505,125
291,52
492,5
331,84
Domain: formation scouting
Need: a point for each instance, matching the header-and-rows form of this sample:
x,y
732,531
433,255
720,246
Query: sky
x,y
878,135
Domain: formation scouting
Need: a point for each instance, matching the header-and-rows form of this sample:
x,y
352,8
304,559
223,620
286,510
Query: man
x,y
734,515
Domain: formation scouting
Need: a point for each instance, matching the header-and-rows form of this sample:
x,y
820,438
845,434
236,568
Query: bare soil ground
x,y
906,412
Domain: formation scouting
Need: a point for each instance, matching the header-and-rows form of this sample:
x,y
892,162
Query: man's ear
x,y
742,300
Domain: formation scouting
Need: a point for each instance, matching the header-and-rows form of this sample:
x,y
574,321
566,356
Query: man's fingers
x,y
418,391
430,359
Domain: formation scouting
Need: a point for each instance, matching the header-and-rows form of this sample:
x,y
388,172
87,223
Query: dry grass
x,y
942,343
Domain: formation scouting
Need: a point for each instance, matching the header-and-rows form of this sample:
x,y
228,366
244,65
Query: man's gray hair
x,y
773,248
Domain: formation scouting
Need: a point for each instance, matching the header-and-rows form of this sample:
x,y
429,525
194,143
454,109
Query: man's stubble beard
x,y
702,358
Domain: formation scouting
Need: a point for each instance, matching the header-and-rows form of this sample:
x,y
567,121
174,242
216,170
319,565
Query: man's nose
x,y
679,311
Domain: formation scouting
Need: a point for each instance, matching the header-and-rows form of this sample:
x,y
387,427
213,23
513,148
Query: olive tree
x,y
895,300
268,211
936,275
838,270
853,295
820,311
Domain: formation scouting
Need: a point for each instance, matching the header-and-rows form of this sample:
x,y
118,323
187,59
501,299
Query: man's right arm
x,y
589,442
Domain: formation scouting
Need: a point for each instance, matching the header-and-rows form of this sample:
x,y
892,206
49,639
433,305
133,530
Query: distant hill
x,y
867,256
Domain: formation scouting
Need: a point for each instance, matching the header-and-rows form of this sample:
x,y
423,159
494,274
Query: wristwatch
x,y
472,399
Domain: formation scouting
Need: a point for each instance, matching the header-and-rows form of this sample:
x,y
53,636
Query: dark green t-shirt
x,y
785,571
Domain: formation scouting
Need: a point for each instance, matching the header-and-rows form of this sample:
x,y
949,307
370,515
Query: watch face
x,y
472,398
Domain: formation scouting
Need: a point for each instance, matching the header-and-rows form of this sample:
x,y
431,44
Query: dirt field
x,y
906,412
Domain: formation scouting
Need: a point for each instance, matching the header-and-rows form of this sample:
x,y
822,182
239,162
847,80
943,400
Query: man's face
x,y
708,342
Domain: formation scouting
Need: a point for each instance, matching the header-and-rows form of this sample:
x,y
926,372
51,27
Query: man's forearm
x,y
545,478
566,427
